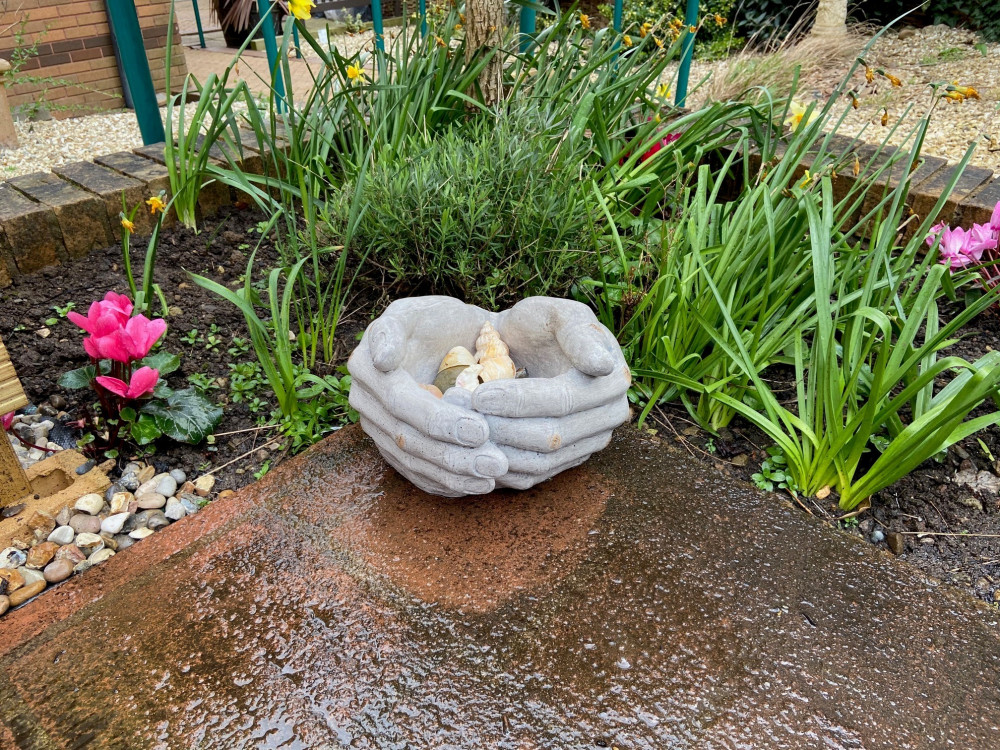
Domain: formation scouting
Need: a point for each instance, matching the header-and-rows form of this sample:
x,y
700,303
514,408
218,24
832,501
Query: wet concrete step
x,y
639,601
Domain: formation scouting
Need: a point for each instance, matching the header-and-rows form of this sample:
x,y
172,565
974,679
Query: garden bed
x,y
947,529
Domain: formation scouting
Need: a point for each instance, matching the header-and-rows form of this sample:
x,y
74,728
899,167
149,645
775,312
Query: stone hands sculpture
x,y
506,433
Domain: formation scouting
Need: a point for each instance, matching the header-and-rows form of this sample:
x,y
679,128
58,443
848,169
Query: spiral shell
x,y
497,368
489,345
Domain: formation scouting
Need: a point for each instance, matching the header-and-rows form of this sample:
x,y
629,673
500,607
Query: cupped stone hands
x,y
507,433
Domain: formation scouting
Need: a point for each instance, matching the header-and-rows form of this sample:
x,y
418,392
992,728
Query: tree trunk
x,y
484,25
831,19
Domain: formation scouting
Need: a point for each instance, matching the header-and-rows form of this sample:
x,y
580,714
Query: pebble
x,y
13,578
120,501
41,555
146,473
12,557
41,524
150,500
82,523
156,521
190,503
63,516
895,541
129,481
187,487
178,476
174,510
877,536
26,592
113,524
4,604
58,570
124,541
84,566
85,467
111,491
109,542
89,543
141,533
100,556
91,503
72,553
30,576
167,485
204,484
58,402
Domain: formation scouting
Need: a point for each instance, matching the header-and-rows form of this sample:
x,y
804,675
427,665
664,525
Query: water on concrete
x,y
635,602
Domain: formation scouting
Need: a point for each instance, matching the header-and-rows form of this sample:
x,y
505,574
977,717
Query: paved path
x,y
635,602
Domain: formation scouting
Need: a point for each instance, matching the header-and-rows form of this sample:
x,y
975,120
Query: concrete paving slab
x,y
638,601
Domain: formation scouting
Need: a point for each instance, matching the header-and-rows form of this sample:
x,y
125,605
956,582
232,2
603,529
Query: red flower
x,y
105,315
143,381
128,343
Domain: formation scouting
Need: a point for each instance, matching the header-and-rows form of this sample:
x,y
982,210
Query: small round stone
x,y
191,503
62,535
4,604
178,476
156,521
89,543
151,500
174,510
30,576
129,481
120,501
877,536
41,555
63,516
124,541
141,533
113,524
26,592
13,578
100,556
91,503
166,485
204,484
72,553
58,570
82,523
12,557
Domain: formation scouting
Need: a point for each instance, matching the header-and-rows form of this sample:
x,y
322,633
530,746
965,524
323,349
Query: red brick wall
x,y
74,46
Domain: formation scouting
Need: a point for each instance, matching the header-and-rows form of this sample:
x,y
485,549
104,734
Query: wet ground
x,y
635,602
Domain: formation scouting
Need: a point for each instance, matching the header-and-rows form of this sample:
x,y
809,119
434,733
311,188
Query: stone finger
x,y
548,434
549,464
570,392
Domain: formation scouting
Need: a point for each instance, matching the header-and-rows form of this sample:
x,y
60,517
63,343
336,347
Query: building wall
x,y
74,47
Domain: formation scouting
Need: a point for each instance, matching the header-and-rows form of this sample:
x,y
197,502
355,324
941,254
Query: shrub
x,y
487,213
713,37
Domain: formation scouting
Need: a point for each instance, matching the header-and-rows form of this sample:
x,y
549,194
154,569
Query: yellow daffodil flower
x,y
439,41
720,20
355,73
301,9
128,226
885,117
806,180
869,75
796,117
967,91
893,80
584,21
659,42
156,204
626,41
954,96
644,29
856,166
663,91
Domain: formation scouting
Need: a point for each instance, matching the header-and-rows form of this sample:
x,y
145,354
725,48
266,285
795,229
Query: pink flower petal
x,y
143,381
995,218
7,420
116,386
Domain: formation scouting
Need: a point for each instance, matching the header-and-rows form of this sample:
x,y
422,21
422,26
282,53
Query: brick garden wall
x,y
74,44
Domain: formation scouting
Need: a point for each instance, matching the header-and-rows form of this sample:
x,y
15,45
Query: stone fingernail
x,y
488,466
470,431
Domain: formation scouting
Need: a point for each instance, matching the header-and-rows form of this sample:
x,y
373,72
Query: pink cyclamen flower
x,y
995,218
104,315
7,420
955,249
143,381
128,343
933,233
981,238
665,141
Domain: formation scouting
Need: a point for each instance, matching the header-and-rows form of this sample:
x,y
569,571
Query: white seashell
x,y
431,389
489,345
459,355
469,377
497,368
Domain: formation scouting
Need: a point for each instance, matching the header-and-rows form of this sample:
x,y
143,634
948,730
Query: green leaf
x,y
80,378
145,430
185,415
164,362
127,414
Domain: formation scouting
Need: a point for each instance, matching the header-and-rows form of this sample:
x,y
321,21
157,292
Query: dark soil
x,y
949,530
219,252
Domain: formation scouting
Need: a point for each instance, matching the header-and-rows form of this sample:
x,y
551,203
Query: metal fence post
x,y
127,38
684,72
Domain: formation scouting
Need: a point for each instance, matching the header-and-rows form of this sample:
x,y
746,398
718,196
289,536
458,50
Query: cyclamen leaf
x,y
185,416
145,430
164,362
80,378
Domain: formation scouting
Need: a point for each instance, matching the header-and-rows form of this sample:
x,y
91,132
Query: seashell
x,y
469,377
489,345
459,355
446,378
431,389
497,368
